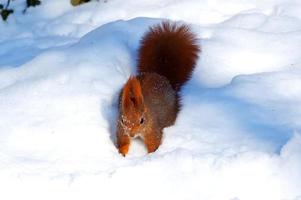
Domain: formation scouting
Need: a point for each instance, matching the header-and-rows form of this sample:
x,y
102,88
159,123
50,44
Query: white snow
x,y
237,137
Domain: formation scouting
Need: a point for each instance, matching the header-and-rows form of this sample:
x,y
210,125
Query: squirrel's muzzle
x,y
132,134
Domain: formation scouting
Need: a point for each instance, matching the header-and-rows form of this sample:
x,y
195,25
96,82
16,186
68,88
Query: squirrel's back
x,y
171,50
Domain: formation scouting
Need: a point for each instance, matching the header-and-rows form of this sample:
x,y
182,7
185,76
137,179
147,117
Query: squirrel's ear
x,y
132,94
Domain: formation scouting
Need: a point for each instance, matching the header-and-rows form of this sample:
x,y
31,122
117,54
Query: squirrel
x,y
150,101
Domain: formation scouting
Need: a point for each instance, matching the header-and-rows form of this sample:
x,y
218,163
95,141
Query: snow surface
x,y
238,136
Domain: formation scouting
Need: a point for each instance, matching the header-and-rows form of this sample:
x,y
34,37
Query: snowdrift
x,y
238,136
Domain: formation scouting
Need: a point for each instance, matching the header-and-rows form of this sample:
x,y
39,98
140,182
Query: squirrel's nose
x,y
132,134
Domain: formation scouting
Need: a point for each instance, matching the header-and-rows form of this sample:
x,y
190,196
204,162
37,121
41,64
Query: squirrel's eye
x,y
141,120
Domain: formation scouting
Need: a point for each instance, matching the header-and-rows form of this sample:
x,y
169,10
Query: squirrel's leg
x,y
153,141
123,143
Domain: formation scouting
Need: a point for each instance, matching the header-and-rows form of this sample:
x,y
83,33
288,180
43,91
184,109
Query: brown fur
x,y
170,50
149,102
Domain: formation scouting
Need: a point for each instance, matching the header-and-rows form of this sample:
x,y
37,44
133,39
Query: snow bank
x,y
236,138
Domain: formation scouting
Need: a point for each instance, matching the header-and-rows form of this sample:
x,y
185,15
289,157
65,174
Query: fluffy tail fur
x,y
170,50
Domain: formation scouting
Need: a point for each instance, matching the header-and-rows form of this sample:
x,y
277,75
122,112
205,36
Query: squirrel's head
x,y
132,116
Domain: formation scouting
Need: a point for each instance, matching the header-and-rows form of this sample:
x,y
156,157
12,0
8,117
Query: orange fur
x,y
150,101
123,144
132,95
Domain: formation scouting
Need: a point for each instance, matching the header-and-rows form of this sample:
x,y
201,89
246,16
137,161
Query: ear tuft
x,y
132,94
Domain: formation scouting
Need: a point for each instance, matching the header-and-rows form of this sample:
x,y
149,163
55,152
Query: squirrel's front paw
x,y
124,150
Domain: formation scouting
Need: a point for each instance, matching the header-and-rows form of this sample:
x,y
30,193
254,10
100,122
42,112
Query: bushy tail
x,y
170,50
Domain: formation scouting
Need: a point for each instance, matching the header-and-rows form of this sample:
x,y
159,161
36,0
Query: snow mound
x,y
237,137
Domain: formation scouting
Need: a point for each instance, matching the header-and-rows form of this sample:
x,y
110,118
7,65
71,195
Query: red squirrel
x,y
150,101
